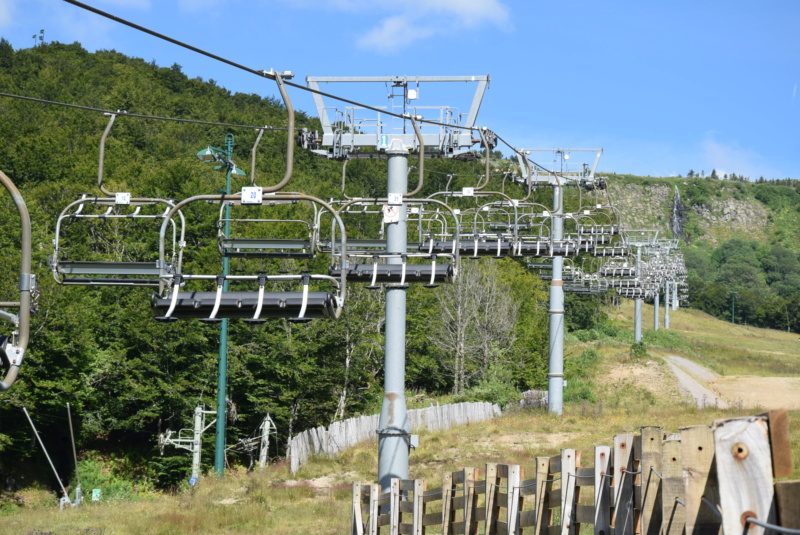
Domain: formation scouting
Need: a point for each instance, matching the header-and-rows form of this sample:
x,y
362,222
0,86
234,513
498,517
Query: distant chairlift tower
x,y
393,138
561,173
192,443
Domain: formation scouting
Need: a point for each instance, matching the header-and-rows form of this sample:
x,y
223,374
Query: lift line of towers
x,y
416,239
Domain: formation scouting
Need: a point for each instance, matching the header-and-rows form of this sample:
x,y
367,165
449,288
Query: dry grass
x,y
631,394
726,348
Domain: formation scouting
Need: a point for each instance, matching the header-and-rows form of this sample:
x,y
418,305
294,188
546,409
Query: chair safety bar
x,y
212,318
262,282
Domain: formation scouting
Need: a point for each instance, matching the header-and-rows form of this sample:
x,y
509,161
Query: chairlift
x,y
250,235
313,296
542,244
105,218
368,260
14,346
485,230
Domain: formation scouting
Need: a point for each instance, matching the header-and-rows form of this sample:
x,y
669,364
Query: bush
x,y
638,350
496,387
579,390
99,473
580,386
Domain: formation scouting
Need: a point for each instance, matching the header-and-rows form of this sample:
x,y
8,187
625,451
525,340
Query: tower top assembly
x,y
345,130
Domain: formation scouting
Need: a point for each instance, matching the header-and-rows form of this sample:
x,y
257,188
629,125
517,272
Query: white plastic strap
x,y
305,297
217,299
262,281
174,301
374,270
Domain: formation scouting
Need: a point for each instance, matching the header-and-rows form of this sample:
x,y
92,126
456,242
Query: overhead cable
x,y
139,115
262,73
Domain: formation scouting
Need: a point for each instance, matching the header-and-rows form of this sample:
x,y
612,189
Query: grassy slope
x,y
723,347
317,499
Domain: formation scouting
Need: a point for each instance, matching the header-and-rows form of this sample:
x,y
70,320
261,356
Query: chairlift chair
x,y
14,346
315,295
119,266
108,268
367,260
251,236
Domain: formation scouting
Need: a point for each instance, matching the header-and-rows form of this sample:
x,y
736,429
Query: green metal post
x,y
733,306
222,379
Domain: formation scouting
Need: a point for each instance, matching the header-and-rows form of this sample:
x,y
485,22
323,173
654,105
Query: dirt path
x,y
709,388
760,392
690,376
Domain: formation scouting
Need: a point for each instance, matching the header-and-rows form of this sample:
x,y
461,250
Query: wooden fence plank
x,y
491,499
781,443
652,438
568,473
787,494
602,493
700,480
623,514
744,471
514,478
673,512
542,472
448,511
357,523
394,507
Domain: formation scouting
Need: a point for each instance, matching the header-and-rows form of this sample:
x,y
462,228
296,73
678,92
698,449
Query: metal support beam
x,y
394,430
555,375
675,297
666,303
637,320
222,368
263,454
656,305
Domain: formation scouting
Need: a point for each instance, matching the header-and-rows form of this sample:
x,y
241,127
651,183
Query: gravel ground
x,y
692,379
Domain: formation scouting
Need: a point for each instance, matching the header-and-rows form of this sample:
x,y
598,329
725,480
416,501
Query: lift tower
x,y
393,131
560,173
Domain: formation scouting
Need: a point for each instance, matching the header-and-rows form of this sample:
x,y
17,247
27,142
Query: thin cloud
x,y
6,13
794,94
136,4
415,20
193,6
394,33
740,161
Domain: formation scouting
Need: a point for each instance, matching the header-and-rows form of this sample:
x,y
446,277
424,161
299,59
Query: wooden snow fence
x,y
704,479
346,433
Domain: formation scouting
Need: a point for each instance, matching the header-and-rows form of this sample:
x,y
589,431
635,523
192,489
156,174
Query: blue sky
x,y
662,87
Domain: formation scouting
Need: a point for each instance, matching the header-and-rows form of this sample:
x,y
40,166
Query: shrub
x,y
99,473
496,387
580,386
639,350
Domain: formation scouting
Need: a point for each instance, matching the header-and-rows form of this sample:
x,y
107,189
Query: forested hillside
x,y
126,376
736,236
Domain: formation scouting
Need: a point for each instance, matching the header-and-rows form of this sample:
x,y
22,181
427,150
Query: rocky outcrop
x,y
659,205
726,218
679,217
642,207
